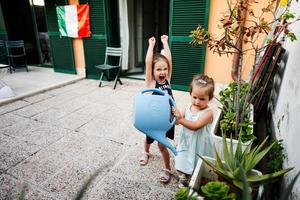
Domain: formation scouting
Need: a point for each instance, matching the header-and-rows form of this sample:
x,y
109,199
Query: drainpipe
x,y
239,44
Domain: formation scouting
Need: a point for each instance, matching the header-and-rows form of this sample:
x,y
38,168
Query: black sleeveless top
x,y
164,86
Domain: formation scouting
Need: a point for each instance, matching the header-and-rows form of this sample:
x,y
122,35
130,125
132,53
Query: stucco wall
x,y
286,116
78,50
215,66
220,67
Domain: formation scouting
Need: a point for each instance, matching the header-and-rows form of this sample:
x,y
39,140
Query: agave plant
x,y
234,162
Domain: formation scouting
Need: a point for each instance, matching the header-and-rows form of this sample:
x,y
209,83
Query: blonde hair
x,y
158,57
203,81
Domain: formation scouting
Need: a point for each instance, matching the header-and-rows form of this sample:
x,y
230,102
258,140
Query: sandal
x,y
144,158
165,177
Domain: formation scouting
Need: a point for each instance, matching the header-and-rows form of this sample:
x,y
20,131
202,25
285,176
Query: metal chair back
x,y
16,54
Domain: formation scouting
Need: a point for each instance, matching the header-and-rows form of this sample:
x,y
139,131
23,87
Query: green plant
x,y
216,190
228,97
275,157
228,123
231,168
184,194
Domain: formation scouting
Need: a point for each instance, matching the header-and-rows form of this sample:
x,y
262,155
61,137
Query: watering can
x,y
152,115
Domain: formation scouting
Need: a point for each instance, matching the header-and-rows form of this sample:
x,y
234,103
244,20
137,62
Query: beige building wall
x,y
78,50
220,67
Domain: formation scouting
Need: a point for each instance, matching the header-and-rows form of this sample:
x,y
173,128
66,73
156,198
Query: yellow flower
x,y
283,3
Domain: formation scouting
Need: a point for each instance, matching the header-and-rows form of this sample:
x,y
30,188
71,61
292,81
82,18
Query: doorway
x,y
42,36
25,20
146,18
19,26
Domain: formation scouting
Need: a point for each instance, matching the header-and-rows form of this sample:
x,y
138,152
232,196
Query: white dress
x,y
192,143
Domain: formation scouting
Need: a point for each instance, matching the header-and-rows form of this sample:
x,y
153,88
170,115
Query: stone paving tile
x,y
115,114
38,97
71,121
9,119
118,187
158,193
71,105
14,125
121,132
88,82
35,132
35,193
89,150
67,181
31,110
13,151
149,173
64,89
39,167
91,110
124,96
13,106
10,188
84,89
50,115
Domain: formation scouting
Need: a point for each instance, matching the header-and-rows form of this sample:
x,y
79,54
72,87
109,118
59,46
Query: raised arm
x,y
167,53
148,62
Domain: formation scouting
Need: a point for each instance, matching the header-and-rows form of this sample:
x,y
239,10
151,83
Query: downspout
x,y
239,45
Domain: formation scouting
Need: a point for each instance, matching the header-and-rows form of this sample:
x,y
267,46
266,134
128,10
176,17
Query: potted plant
x,y
213,190
241,27
217,190
233,166
226,118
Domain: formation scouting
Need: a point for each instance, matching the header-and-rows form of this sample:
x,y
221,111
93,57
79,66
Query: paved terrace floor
x,y
54,141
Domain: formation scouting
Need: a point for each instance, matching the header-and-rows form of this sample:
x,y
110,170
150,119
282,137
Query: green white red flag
x,y
74,20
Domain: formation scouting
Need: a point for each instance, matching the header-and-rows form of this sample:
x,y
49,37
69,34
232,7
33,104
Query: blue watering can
x,y
152,115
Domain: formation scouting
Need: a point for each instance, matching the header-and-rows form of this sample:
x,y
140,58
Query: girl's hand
x,y
152,41
177,113
164,38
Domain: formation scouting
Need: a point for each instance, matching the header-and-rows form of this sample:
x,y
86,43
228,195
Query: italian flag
x,y
74,20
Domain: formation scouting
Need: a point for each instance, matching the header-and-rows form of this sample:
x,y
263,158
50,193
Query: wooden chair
x,y
16,54
107,66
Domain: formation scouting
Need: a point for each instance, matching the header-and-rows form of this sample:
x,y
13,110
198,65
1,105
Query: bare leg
x,y
145,155
146,147
166,156
166,174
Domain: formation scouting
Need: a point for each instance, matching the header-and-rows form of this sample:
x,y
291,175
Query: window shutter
x,y
94,47
185,16
61,47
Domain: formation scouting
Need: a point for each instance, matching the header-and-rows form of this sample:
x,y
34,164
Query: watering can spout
x,y
160,136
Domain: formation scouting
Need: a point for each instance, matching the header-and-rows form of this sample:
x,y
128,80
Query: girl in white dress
x,y
195,137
